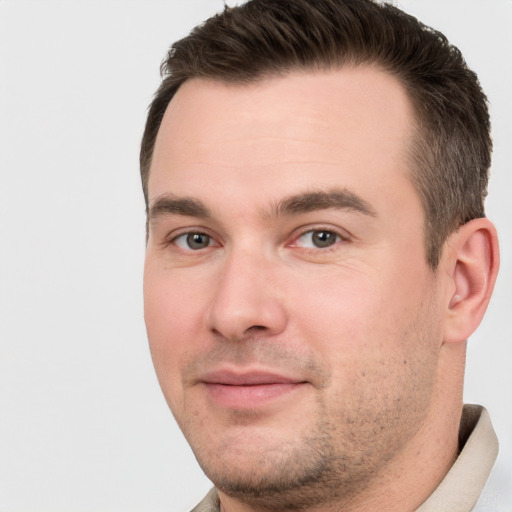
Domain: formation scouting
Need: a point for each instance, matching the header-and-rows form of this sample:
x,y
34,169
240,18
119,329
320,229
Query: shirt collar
x,y
463,484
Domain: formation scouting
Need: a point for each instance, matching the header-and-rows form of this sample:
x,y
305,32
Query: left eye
x,y
318,239
193,241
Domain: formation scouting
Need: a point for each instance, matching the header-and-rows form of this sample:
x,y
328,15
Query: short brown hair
x,y
451,151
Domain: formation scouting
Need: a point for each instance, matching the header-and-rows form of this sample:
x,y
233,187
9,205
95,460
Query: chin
x,y
294,473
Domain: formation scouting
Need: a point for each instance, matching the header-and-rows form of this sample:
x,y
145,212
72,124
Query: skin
x,y
306,374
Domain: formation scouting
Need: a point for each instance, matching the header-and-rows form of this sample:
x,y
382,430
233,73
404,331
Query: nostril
x,y
257,328
247,334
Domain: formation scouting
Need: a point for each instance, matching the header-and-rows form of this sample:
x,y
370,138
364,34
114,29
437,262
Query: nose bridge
x,y
246,298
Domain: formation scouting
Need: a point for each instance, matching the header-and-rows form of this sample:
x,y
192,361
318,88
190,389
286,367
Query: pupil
x,y
323,238
198,240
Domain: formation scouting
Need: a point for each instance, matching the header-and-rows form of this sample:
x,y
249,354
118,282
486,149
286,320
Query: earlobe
x,y
473,261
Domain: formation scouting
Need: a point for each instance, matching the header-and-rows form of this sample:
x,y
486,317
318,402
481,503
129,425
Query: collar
x,y
461,487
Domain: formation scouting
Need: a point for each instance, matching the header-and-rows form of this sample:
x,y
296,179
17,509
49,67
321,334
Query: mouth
x,y
248,390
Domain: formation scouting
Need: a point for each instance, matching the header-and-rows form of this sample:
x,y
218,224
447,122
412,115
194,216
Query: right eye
x,y
194,241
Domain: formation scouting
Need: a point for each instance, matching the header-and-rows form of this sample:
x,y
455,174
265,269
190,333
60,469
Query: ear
x,y
472,261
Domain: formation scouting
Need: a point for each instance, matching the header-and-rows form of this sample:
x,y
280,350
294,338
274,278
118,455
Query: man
x,y
317,256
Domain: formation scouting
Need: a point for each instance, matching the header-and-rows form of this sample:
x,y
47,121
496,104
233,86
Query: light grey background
x,y
83,425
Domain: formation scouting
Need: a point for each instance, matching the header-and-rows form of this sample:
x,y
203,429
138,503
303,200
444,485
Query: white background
x,y
83,426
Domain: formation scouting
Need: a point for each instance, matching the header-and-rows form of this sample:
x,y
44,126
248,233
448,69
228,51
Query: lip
x,y
248,390
247,378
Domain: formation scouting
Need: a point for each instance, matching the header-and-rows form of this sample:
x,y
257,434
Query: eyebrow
x,y
341,199
305,202
170,204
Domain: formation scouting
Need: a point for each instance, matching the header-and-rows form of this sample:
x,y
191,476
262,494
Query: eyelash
x,y
339,237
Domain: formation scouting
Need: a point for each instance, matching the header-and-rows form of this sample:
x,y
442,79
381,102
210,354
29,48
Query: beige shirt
x,y
461,487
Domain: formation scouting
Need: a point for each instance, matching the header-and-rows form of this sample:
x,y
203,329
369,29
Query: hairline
x,y
414,150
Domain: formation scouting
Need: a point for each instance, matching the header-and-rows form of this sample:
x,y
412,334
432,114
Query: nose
x,y
246,301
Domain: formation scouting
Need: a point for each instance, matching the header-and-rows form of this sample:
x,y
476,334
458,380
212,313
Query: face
x,y
290,310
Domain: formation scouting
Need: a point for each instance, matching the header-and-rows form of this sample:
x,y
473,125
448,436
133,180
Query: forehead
x,y
349,128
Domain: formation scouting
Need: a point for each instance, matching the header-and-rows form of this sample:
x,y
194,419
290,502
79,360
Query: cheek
x,y
172,305
356,318
378,343
172,312
335,309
